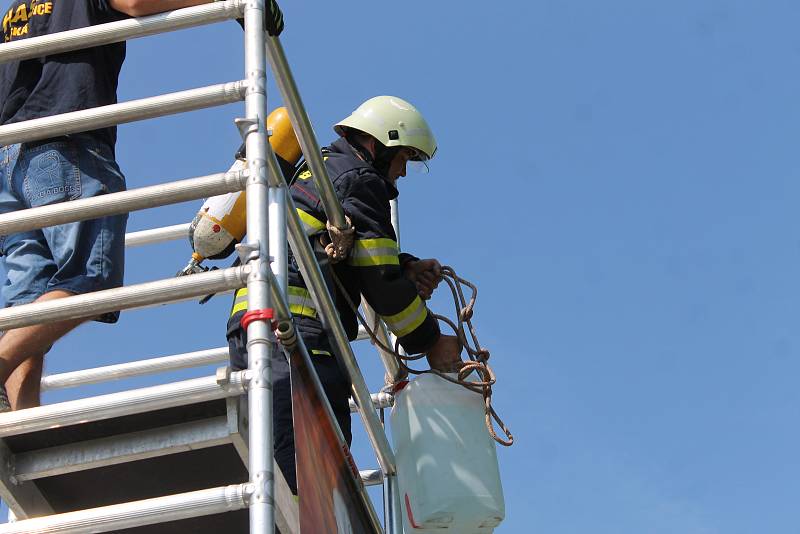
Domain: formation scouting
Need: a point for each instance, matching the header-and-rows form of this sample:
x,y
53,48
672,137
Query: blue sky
x,y
620,180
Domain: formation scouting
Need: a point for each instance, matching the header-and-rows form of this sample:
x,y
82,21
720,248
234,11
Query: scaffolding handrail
x,y
134,369
123,30
124,298
157,235
124,403
382,332
124,112
122,202
304,131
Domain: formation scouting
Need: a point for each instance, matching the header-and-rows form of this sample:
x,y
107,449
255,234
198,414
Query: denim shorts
x,y
78,257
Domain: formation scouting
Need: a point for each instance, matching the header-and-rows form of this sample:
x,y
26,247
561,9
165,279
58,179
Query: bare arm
x,y
140,8
273,17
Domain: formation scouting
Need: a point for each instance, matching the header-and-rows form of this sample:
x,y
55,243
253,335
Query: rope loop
x,y
478,363
341,241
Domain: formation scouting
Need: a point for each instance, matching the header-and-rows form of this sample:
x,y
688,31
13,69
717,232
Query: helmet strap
x,y
353,141
383,157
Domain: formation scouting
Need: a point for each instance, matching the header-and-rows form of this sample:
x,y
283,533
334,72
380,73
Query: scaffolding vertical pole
x,y
260,342
393,511
395,207
278,244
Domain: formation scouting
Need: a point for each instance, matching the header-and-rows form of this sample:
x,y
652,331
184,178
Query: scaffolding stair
x,y
141,453
141,447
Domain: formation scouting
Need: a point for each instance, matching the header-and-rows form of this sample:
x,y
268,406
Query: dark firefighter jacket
x,y
374,267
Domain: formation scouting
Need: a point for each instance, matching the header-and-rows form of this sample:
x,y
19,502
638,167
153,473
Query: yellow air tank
x,y
221,222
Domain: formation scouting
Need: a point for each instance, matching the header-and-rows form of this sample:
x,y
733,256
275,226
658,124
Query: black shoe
x,y
5,406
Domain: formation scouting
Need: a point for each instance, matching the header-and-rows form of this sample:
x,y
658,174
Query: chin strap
x,y
383,155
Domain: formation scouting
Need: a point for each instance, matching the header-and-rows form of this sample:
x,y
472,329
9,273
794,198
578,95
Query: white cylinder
x,y
447,467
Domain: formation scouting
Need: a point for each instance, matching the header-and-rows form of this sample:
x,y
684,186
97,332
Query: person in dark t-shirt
x,y
72,258
66,82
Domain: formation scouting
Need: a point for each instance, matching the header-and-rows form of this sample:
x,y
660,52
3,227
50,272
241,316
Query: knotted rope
x,y
341,241
478,355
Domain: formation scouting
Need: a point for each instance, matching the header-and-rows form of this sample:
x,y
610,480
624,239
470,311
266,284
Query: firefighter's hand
x,y
445,355
273,18
426,275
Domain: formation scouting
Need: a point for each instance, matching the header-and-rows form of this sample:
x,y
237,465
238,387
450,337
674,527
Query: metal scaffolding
x,y
270,212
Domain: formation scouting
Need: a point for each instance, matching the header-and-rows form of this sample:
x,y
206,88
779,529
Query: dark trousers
x,y
334,382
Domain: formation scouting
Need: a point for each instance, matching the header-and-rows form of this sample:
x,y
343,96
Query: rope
x,y
341,241
478,355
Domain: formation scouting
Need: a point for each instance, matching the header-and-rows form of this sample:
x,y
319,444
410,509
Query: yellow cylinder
x,y
221,222
283,139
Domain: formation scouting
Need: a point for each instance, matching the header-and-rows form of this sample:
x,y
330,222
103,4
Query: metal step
x,y
141,516
224,384
135,457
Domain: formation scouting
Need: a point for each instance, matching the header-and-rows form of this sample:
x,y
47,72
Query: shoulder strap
x,y
302,166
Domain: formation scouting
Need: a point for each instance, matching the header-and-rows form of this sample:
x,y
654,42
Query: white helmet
x,y
393,122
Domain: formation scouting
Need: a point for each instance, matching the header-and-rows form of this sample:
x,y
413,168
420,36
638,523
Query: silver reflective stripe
x,y
409,319
379,251
311,225
300,302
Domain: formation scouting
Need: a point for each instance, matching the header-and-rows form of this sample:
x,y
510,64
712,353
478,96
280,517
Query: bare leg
x,y
30,343
24,384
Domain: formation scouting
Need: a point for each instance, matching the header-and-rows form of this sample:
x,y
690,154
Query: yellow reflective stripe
x,y
373,261
299,291
321,352
311,225
300,302
239,306
375,243
409,319
305,311
371,252
239,301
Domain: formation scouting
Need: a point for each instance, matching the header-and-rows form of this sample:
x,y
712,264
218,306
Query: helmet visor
x,y
418,167
417,161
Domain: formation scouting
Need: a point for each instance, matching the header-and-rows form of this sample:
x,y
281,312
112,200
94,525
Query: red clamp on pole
x,y
399,385
267,314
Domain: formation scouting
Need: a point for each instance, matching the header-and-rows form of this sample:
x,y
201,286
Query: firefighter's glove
x,y
426,275
273,18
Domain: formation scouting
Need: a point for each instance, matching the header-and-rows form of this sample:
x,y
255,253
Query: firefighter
x,y
376,143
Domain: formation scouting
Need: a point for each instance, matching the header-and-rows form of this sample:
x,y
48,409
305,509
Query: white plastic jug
x,y
447,468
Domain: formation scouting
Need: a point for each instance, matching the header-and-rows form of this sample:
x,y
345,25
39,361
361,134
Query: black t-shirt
x,y
64,82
